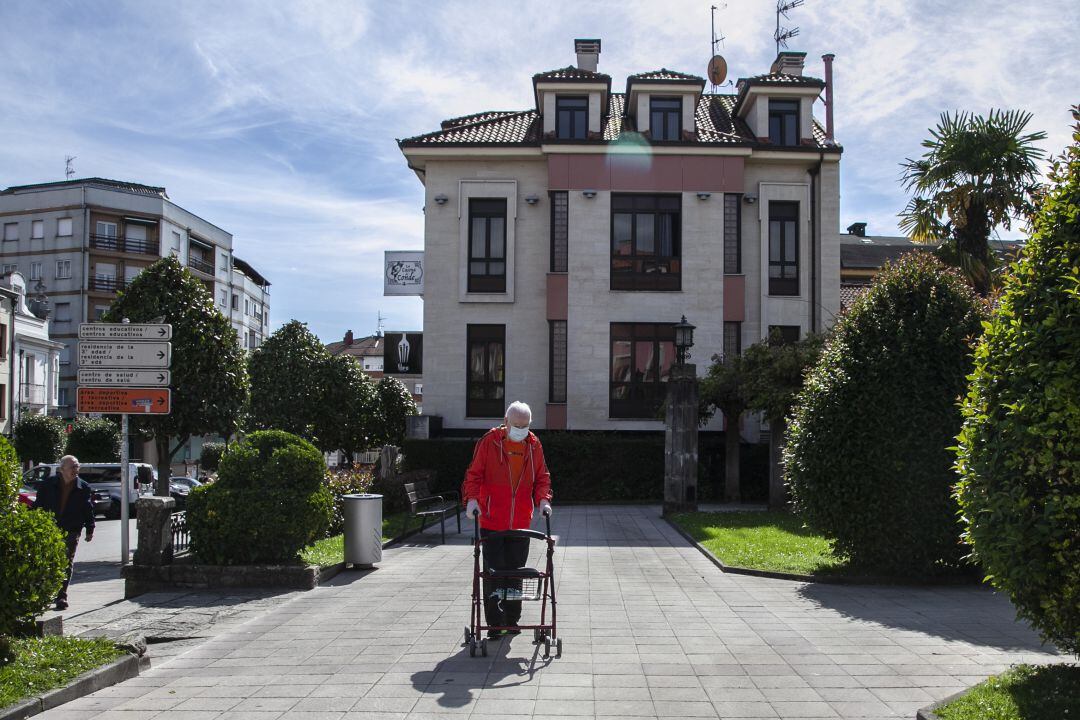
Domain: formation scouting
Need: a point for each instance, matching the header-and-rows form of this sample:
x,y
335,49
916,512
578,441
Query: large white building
x,y
34,369
81,241
563,241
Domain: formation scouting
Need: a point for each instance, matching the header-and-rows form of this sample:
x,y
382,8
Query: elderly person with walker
x,y
506,480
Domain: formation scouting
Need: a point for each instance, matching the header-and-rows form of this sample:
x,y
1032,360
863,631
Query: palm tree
x,y
977,173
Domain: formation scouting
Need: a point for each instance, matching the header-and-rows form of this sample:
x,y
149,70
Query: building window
x,y
62,397
418,389
732,234
99,312
485,386
235,301
3,341
783,334
571,118
65,356
63,269
251,339
645,242
63,227
3,404
487,245
35,270
11,231
37,230
641,359
9,268
783,248
63,313
784,122
665,118
560,230
175,244
557,361
223,298
732,339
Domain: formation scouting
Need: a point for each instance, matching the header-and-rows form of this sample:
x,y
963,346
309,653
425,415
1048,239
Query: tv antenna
x,y
69,169
379,329
782,35
717,69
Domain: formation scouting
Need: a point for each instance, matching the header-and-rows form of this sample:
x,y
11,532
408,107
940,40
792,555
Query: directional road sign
x,y
124,354
114,400
125,331
130,378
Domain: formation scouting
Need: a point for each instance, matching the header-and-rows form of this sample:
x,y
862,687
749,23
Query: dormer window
x,y
665,118
571,118
784,122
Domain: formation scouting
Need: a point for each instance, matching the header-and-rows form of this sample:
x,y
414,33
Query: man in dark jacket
x,y
71,501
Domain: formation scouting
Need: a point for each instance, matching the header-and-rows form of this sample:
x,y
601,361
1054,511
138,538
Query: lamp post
x,y
681,434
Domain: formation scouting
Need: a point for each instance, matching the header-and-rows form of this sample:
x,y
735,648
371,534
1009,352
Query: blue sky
x,y
276,120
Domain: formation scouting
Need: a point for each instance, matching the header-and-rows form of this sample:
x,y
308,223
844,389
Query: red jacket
x,y
488,482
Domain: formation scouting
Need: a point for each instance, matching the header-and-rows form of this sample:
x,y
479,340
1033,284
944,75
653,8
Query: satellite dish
x,y
717,70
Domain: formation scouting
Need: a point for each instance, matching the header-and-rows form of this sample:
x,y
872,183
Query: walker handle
x,y
547,523
476,524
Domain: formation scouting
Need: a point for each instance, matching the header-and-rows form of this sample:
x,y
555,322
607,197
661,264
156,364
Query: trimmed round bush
x,y
210,456
94,440
1019,450
39,438
267,504
868,459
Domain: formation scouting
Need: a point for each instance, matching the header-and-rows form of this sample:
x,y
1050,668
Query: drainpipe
x,y
815,187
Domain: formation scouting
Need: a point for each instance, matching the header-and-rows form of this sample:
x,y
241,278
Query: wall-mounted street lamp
x,y
589,193
704,195
532,199
749,199
684,340
441,199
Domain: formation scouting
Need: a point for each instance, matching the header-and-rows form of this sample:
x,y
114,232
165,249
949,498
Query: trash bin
x,y
363,529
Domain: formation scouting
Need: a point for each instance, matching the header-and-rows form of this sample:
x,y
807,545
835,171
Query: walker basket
x,y
529,592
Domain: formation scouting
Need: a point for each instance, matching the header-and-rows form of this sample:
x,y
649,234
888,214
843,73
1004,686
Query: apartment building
x,y
248,304
34,362
8,300
81,241
562,242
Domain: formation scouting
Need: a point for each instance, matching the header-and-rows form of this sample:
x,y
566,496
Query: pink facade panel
x,y
557,296
646,173
556,417
734,298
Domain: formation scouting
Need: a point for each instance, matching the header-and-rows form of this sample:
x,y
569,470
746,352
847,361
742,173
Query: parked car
x,y
179,487
104,480
27,495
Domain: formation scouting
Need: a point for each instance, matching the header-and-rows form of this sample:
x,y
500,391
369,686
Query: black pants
x,y
503,553
72,544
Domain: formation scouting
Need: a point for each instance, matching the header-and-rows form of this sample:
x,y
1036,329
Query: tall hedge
x,y
268,503
867,458
94,440
1019,450
39,438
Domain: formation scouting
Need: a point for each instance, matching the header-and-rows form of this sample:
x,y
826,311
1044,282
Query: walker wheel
x,y
483,647
472,648
558,648
547,648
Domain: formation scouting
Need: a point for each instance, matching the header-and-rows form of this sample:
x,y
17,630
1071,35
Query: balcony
x,y
139,246
201,265
32,394
104,283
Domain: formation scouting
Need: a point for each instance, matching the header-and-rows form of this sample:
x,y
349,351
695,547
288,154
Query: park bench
x,y
424,505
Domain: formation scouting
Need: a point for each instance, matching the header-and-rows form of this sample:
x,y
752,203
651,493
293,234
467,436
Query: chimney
x,y
788,63
588,53
857,229
348,338
828,96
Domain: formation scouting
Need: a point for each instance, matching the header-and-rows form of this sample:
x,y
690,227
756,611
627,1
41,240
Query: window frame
x,y
640,280
572,132
650,394
562,374
58,276
486,335
786,111
732,331
5,231
39,265
487,282
671,115
733,199
789,334
70,227
37,229
560,225
783,211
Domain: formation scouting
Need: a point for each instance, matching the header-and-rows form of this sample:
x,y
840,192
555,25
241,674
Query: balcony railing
x,y
201,265
32,394
141,246
103,283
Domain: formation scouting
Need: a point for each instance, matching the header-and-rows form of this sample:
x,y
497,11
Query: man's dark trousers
x,y
72,541
503,553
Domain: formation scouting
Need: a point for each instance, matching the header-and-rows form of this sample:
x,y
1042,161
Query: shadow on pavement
x,y
457,679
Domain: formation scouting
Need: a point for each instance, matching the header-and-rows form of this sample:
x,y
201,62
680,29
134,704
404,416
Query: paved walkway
x,y
651,629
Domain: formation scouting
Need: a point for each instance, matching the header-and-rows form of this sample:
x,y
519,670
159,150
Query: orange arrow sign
x,y
115,400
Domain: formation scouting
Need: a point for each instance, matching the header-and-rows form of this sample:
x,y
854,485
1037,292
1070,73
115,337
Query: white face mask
x,y
518,434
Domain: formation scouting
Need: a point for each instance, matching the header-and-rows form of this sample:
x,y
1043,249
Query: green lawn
x,y
767,540
43,664
1025,692
332,550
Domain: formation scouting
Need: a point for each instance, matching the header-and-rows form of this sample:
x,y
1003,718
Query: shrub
x,y
39,438
210,456
267,504
1019,450
94,440
867,457
347,481
10,478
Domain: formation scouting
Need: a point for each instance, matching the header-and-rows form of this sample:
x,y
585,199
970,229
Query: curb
x,y
824,579
930,711
115,672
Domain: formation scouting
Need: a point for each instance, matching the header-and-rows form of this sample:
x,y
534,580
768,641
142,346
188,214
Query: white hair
x,y
519,410
69,460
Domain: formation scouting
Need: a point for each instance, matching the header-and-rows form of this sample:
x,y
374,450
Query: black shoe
x,y
61,604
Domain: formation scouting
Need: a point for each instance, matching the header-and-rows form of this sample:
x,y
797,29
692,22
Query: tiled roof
x,y
130,187
784,79
514,128
360,347
849,293
476,117
664,75
571,73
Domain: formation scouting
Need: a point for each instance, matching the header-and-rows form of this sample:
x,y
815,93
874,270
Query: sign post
x,y
124,369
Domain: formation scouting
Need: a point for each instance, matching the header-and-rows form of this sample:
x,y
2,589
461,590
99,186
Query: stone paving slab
x,y
651,630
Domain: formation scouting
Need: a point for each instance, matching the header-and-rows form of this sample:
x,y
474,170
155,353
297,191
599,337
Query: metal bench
x,y
424,505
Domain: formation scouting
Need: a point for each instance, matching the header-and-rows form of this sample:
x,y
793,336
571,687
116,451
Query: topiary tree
x,y
94,440
209,375
351,419
210,456
395,403
269,502
724,388
39,438
867,457
1019,449
288,381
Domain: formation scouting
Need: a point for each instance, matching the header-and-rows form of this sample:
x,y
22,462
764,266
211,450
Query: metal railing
x,y
104,283
201,266
142,246
181,538
32,394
